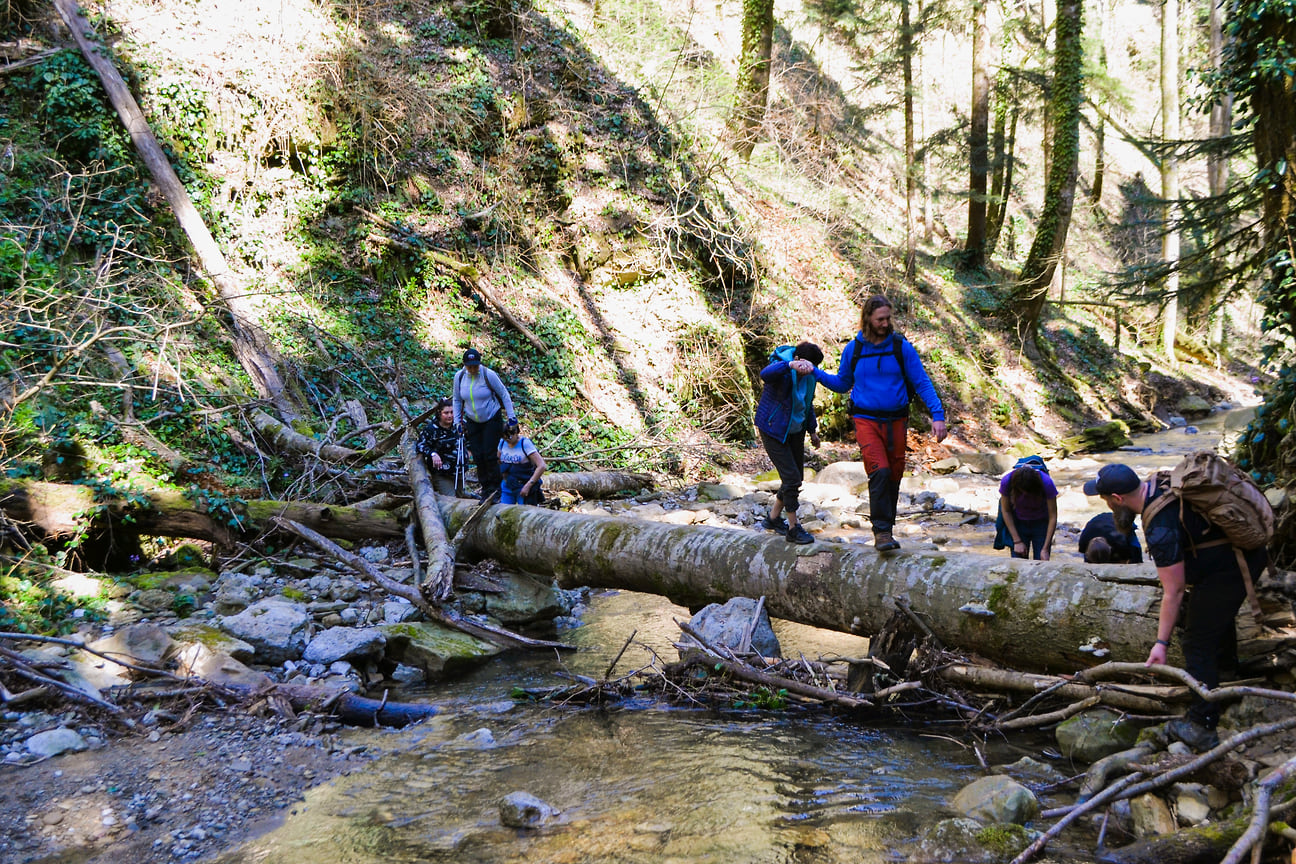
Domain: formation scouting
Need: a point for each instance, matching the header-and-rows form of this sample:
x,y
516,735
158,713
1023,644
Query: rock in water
x,y
524,810
727,625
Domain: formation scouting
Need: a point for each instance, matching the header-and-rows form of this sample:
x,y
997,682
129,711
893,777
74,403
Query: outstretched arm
x,y
1052,527
538,461
844,380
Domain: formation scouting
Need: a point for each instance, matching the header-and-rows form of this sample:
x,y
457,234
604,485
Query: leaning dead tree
x,y
251,343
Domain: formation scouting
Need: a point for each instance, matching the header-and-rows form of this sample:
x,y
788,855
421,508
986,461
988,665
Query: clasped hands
x,y
802,367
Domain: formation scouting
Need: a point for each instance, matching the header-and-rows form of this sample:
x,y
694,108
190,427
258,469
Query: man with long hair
x,y
882,372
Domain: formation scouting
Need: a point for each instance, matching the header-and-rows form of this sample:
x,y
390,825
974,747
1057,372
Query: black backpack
x,y
897,344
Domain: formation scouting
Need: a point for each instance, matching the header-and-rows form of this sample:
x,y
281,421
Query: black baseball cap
x,y
471,357
1115,479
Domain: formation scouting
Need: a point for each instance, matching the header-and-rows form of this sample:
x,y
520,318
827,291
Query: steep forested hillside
x,y
559,186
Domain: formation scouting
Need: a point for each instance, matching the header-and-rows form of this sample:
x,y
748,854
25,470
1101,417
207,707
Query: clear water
x,y
643,782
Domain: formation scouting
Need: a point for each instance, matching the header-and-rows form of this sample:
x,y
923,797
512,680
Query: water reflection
x,y
645,784
650,786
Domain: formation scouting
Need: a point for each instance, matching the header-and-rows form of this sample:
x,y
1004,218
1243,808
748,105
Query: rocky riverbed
x,y
176,783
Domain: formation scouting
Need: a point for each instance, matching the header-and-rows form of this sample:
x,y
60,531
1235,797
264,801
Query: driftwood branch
x,y
26,670
1141,699
1036,720
1219,694
1253,837
739,669
1134,784
284,437
1099,772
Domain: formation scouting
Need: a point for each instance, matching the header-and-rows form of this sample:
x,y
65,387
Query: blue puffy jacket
x,y
774,411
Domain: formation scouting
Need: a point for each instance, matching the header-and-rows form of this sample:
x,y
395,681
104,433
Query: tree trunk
x,y
441,556
907,55
1028,297
1036,616
250,342
753,72
56,509
1170,173
287,439
597,484
924,186
1003,179
1043,612
1100,134
1217,170
1221,116
978,141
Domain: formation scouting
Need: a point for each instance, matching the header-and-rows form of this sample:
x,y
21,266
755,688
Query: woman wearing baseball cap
x,y
481,404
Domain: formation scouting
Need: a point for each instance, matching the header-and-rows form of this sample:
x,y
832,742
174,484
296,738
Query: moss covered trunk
x,y
1028,297
56,510
1042,612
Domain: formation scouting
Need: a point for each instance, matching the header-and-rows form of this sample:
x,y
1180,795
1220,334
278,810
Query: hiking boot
x,y
778,526
1195,735
884,542
799,536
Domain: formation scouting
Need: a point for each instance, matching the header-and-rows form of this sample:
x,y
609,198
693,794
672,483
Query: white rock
x,y
55,741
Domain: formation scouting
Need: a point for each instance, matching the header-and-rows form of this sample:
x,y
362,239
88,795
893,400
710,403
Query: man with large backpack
x,y
1197,520
881,371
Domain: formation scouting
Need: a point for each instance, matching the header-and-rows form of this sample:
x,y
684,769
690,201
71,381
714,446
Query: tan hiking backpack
x,y
1224,496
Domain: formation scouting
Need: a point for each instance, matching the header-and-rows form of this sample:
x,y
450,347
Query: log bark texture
x,y
1044,612
441,555
597,484
56,509
1046,615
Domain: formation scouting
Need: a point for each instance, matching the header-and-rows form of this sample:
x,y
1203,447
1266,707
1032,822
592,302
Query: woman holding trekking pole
x,y
442,449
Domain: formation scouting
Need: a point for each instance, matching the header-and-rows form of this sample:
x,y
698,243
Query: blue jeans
x,y
1033,532
510,492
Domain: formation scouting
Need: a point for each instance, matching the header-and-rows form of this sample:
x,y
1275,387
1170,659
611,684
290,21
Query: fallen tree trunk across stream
x,y
1036,616
1031,615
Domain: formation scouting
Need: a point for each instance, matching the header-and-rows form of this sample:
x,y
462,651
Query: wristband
x,y
1162,642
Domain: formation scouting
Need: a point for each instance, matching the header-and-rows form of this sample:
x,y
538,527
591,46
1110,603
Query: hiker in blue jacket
x,y
784,415
481,405
881,371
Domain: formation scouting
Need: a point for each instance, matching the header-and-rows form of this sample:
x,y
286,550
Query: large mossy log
x,y
597,484
60,510
1037,616
1032,615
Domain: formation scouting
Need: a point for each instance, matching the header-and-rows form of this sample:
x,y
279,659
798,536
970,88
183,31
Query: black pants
x,y
483,442
789,461
1209,634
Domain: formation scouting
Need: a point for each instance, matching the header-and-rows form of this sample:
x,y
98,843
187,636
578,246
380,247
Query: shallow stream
x,y
647,782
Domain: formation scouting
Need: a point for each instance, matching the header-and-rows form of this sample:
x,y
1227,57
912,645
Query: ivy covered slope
x,y
391,179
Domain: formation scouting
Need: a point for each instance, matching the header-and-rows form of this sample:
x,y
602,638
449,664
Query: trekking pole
x,y
461,469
